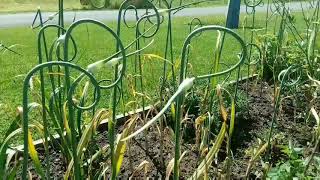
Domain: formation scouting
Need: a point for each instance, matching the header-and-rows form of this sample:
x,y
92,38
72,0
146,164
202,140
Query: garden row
x,y
246,108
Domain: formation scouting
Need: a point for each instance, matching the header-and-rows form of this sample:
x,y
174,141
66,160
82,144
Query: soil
x,y
256,122
250,126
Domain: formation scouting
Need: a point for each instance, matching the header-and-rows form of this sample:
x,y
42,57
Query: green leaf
x,y
86,137
3,150
121,145
65,122
210,156
34,156
233,116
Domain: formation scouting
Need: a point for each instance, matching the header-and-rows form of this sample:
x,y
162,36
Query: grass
x,y
15,6
14,66
98,46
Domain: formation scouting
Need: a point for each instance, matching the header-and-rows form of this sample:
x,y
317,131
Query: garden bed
x,y
256,123
250,126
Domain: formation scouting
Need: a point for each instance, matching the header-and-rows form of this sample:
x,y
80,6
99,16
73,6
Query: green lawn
x,y
97,46
14,6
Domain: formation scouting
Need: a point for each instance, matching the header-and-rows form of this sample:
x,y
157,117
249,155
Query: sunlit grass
x,y
14,6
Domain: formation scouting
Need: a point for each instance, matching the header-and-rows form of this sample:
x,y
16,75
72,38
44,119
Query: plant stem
x,y
312,155
177,136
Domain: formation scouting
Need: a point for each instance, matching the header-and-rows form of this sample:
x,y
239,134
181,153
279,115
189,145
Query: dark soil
x,y
250,126
256,123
